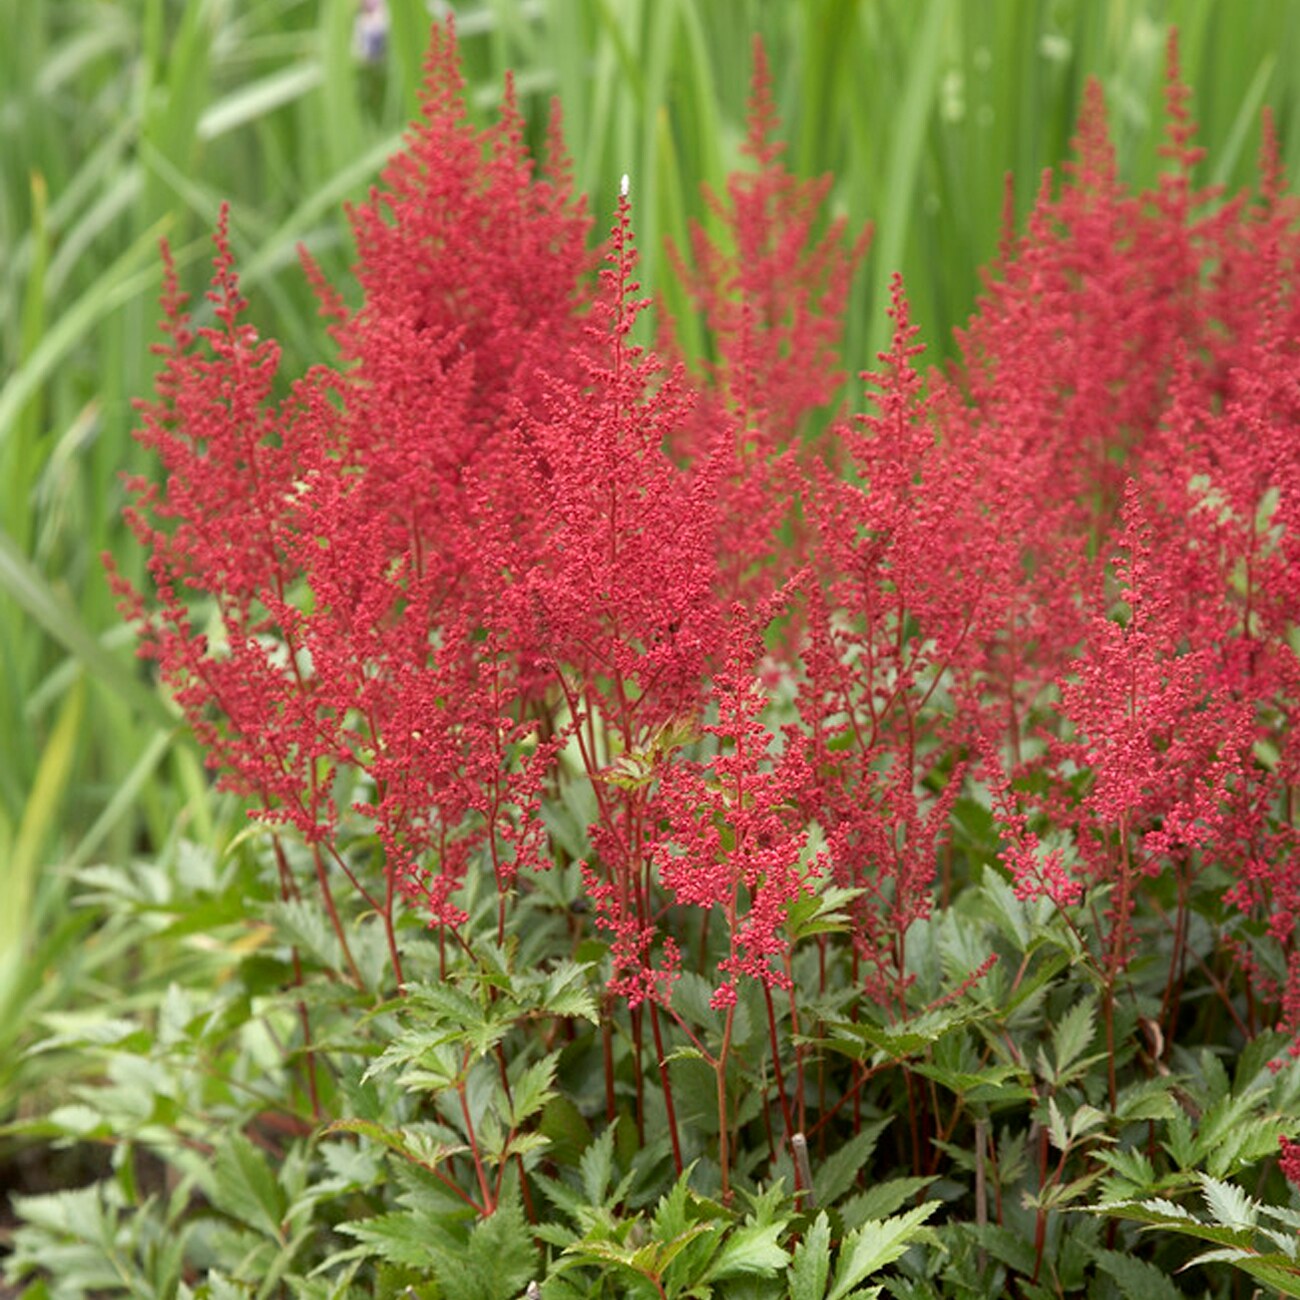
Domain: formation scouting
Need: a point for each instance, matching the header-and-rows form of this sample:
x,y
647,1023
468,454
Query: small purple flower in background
x,y
370,31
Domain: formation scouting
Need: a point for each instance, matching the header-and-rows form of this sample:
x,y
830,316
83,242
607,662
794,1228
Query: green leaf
x,y
532,1090
811,1265
597,1167
1056,1126
670,1250
398,1238
246,1188
1147,1099
752,1248
413,1144
821,913
671,1217
562,1122
1229,1205
876,1244
881,1200
46,798
839,1171
902,1041
257,98
1009,913
1136,1278
1072,1035
1275,1271
498,1264
907,138
995,1083
566,993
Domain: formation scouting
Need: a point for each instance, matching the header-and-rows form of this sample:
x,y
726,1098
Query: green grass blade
x,y
29,589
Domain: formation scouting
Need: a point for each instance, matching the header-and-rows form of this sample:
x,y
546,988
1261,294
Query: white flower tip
x,y
622,185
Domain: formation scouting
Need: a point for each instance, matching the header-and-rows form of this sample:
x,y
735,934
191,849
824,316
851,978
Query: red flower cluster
x,y
501,548
1289,1160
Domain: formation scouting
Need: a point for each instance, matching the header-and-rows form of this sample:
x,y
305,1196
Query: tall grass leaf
x,y
279,248
1228,156
124,799
907,137
252,102
119,283
203,200
46,798
173,103
339,100
408,38
26,585
18,455
116,199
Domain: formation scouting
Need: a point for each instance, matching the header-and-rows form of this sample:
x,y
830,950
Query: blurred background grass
x,y
121,122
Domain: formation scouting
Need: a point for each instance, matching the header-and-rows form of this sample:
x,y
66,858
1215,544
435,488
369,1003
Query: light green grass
x,y
122,122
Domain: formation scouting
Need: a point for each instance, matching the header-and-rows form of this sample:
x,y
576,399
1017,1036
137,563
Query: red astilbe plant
x,y
732,843
772,291
887,611
732,839
1066,371
502,560
1230,486
332,540
618,598
1159,751
1153,339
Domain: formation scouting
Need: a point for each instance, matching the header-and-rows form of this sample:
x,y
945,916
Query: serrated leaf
x,y
399,1238
1072,1035
881,1200
838,1172
670,1217
597,1167
1180,1141
813,914
691,995
1229,1205
1274,1271
1136,1279
752,1248
995,1083
1146,1100
566,993
899,1042
569,1133
246,1188
522,1144
1084,1120
414,1145
1056,1128
684,1054
1010,1248
811,1266
1221,1255
876,1244
669,1250
497,1265
1277,1271
1008,911
532,1090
